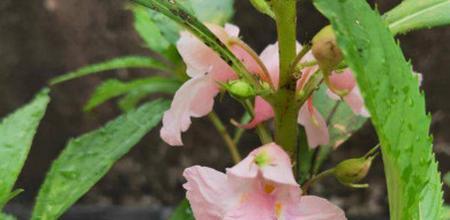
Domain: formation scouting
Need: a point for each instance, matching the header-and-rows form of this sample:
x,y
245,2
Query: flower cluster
x,y
208,71
260,187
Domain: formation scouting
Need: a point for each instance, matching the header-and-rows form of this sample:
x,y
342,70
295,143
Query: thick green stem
x,y
286,19
286,128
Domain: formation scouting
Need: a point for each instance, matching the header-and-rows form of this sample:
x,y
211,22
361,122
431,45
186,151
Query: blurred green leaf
x,y
417,14
88,158
16,136
342,123
116,63
446,213
113,88
263,6
182,212
396,105
6,217
218,12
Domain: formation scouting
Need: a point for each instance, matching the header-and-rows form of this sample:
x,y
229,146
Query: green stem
x,y
286,128
226,137
314,179
286,20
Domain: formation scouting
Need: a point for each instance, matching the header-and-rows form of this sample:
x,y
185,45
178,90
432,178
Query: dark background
x,y
40,39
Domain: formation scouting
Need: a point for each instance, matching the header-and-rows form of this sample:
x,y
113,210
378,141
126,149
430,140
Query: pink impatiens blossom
x,y
261,187
309,117
346,82
195,98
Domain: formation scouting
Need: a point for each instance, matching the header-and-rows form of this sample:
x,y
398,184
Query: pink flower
x,y
346,82
309,117
261,187
195,98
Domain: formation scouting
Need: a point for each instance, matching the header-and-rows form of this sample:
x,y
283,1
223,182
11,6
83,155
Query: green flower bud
x,y
354,170
241,89
326,50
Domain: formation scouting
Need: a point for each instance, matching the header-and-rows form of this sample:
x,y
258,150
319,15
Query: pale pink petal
x,y
232,30
263,112
195,98
254,205
248,61
356,102
270,58
277,170
344,81
315,126
208,192
313,208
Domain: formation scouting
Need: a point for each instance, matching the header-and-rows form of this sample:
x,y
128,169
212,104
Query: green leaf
x,y
182,212
263,6
218,12
446,213
88,158
113,88
418,14
179,14
116,63
16,136
397,107
342,123
6,217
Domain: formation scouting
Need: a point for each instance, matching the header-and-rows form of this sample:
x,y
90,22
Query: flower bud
x,y
352,171
240,89
326,50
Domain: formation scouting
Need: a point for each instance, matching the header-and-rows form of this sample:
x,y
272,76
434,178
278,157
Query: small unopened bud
x,y
326,50
241,89
351,171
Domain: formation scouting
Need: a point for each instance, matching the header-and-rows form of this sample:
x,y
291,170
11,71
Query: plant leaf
x,y
116,63
6,217
263,6
182,212
88,158
397,107
218,12
413,14
16,136
113,88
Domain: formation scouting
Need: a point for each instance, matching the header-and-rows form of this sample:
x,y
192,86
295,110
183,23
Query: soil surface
x,y
43,38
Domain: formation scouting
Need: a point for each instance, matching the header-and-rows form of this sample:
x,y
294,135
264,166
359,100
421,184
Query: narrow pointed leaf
x,y
127,62
396,104
417,14
16,136
88,158
113,88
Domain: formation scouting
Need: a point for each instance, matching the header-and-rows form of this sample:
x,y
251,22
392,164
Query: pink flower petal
x,y
195,98
270,58
315,126
343,81
356,102
208,192
314,208
263,111
278,168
